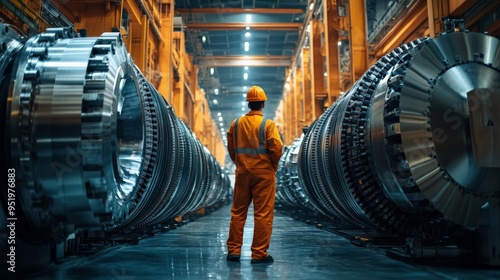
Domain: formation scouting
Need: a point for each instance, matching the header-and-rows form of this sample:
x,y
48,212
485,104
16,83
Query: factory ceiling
x,y
238,44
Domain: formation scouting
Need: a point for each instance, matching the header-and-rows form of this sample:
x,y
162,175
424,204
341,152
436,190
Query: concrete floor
x,y
197,250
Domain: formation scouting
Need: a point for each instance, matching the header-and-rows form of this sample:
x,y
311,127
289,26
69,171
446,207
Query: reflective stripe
x,y
251,151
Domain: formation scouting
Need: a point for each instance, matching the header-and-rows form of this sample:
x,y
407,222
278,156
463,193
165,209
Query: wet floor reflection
x,y
197,251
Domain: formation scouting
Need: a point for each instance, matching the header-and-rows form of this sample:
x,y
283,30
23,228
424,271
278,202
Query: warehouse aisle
x,y
197,251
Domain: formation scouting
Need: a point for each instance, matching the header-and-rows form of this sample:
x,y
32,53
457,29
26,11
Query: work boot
x,y
233,258
267,259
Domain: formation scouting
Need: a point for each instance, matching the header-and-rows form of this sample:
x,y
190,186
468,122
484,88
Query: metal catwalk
x,y
197,251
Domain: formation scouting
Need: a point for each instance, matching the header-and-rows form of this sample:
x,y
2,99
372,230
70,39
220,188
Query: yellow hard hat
x,y
256,94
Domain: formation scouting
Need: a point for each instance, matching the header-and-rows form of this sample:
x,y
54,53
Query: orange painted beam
x,y
133,10
436,10
359,49
317,70
243,25
331,23
306,104
240,61
166,47
239,11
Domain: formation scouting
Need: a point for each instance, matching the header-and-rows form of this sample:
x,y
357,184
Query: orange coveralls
x,y
255,146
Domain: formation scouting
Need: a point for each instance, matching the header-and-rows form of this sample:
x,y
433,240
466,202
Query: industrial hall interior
x,y
119,128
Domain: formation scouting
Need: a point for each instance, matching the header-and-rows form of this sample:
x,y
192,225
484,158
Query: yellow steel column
x,y
179,90
331,31
283,116
193,85
182,108
289,114
96,17
135,23
295,122
437,9
306,104
142,45
286,117
317,70
165,49
278,117
357,19
199,112
188,97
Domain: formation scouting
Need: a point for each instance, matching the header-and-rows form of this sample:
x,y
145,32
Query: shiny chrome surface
x,y
93,143
437,139
399,152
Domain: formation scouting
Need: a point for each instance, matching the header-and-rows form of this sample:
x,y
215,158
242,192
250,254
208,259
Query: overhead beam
x,y
243,25
239,11
241,61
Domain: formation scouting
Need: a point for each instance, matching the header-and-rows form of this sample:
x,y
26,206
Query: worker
x,y
255,146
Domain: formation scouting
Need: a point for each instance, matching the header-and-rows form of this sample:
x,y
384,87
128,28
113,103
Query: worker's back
x,y
254,143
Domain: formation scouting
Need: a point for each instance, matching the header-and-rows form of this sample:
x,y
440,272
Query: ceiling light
x,y
222,129
245,76
325,74
311,7
249,18
246,67
212,71
221,119
308,28
245,88
204,39
243,103
216,91
339,43
216,102
247,28
221,124
242,109
247,46
247,34
245,95
219,114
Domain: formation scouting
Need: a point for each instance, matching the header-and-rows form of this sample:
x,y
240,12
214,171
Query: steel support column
x,y
317,69
165,49
437,9
358,35
307,104
297,85
331,31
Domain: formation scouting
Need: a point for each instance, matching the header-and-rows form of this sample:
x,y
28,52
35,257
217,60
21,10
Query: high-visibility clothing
x,y
254,142
255,147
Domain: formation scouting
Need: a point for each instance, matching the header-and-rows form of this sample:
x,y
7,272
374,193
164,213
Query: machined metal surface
x,y
405,150
93,143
